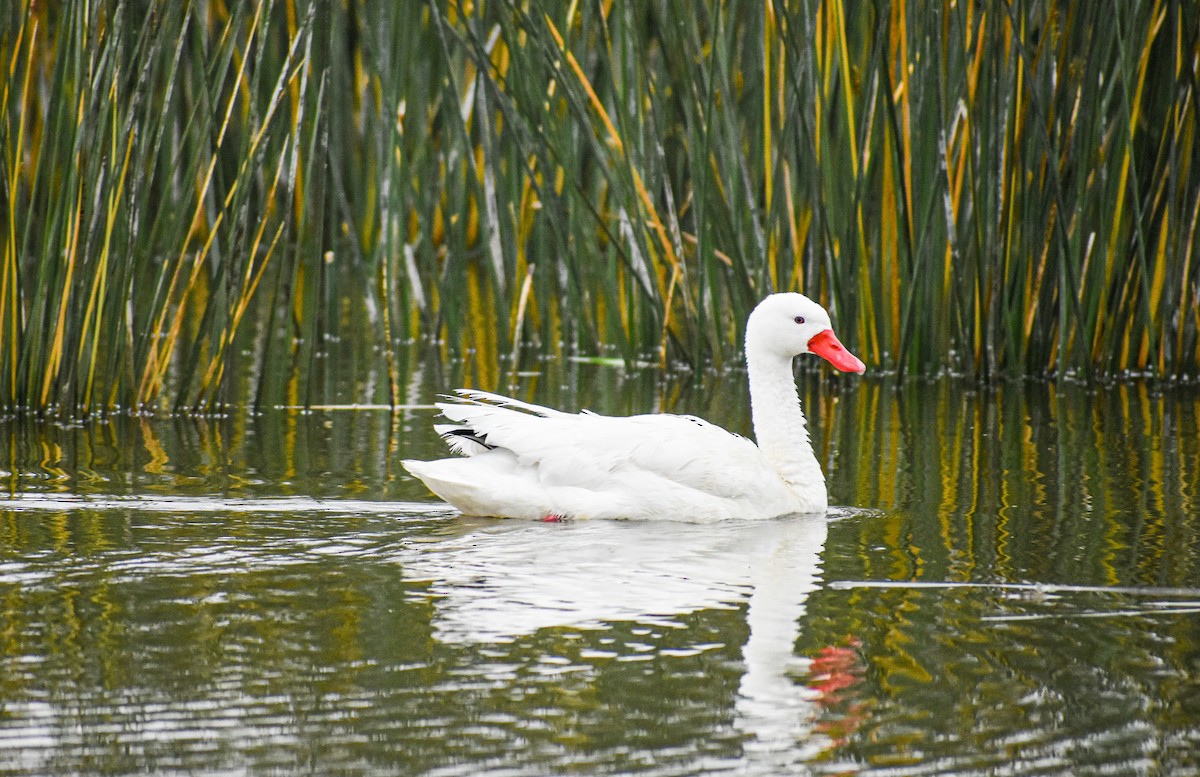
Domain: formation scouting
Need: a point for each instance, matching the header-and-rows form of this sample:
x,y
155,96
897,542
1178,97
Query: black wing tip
x,y
470,434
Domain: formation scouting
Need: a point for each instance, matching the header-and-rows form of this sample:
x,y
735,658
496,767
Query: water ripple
x,y
53,502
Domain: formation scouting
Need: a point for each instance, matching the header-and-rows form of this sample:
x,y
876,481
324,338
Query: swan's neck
x,y
781,429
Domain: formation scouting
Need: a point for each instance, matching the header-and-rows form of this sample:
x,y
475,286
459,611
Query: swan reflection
x,y
501,580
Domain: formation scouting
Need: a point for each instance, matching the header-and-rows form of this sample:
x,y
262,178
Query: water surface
x,y
1011,585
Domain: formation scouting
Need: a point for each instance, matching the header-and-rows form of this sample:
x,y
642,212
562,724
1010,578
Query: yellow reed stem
x,y
54,360
1121,194
839,12
9,302
666,327
767,118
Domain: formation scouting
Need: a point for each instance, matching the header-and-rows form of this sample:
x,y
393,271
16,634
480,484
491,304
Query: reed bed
x,y
209,203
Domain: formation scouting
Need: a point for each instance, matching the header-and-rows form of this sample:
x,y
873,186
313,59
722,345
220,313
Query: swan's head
x,y
787,325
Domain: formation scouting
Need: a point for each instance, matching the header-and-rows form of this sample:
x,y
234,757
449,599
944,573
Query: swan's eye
x,y
799,319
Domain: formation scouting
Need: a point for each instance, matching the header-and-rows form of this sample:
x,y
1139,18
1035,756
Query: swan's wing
x,y
588,450
488,399
466,436
692,452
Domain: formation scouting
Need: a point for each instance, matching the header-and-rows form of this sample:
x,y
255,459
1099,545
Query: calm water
x,y
1012,586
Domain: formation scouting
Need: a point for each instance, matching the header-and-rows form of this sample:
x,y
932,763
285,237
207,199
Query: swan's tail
x,y
475,489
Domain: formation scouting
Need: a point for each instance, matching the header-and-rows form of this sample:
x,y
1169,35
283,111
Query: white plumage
x,y
521,460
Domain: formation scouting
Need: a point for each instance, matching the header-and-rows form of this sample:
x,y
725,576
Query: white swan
x,y
527,461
